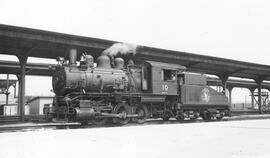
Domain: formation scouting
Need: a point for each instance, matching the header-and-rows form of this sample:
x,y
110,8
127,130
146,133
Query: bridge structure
x,y
25,42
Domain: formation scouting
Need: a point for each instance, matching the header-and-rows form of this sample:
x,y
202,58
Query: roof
x,y
236,83
45,44
167,66
207,64
13,67
39,97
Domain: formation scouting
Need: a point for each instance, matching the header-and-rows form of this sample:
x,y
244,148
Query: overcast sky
x,y
234,29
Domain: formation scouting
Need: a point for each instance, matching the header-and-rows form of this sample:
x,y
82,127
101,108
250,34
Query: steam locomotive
x,y
114,90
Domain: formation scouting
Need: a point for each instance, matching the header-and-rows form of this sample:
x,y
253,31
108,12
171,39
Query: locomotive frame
x,y
118,92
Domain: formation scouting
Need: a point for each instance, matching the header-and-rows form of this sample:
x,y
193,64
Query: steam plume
x,y
120,49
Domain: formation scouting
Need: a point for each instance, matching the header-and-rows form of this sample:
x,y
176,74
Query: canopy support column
x,y
259,84
230,96
223,79
252,90
21,79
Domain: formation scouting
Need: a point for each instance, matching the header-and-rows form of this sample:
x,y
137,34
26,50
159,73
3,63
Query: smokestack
x,y
72,53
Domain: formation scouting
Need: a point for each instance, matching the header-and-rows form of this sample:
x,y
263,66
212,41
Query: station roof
x,y
236,83
13,67
45,44
208,64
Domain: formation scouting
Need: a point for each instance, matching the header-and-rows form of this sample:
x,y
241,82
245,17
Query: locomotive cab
x,y
164,77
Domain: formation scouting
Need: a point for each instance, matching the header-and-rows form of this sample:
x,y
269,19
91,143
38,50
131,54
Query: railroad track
x,y
61,125
5,119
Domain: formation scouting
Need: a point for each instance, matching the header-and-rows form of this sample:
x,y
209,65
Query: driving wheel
x,y
123,109
142,111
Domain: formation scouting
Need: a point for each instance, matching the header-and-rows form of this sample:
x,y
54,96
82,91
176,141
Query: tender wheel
x,y
193,118
99,121
122,109
166,118
180,116
142,111
84,123
220,117
206,116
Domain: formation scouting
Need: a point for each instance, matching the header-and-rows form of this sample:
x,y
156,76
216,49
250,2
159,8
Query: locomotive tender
x,y
119,91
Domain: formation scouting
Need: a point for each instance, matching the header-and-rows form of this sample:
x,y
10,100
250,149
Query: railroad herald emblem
x,y
205,95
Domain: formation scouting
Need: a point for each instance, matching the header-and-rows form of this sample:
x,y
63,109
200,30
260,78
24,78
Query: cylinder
x,y
72,56
83,114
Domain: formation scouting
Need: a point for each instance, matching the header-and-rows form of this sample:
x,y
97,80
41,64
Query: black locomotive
x,y
119,91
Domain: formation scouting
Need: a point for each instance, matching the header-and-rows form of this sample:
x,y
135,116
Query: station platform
x,y
42,124
29,124
234,139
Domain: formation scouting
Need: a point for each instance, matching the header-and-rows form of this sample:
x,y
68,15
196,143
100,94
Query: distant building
x,y
8,110
12,109
36,104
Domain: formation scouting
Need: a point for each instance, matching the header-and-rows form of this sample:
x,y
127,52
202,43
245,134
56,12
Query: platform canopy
x,y
237,83
45,44
208,64
13,67
21,41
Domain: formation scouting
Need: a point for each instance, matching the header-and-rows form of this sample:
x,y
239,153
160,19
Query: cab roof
x,y
166,65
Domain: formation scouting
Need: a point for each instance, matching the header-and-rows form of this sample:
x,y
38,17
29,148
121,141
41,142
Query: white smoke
x,y
120,49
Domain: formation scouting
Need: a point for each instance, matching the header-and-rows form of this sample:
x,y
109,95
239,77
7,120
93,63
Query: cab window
x,y
144,78
168,75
